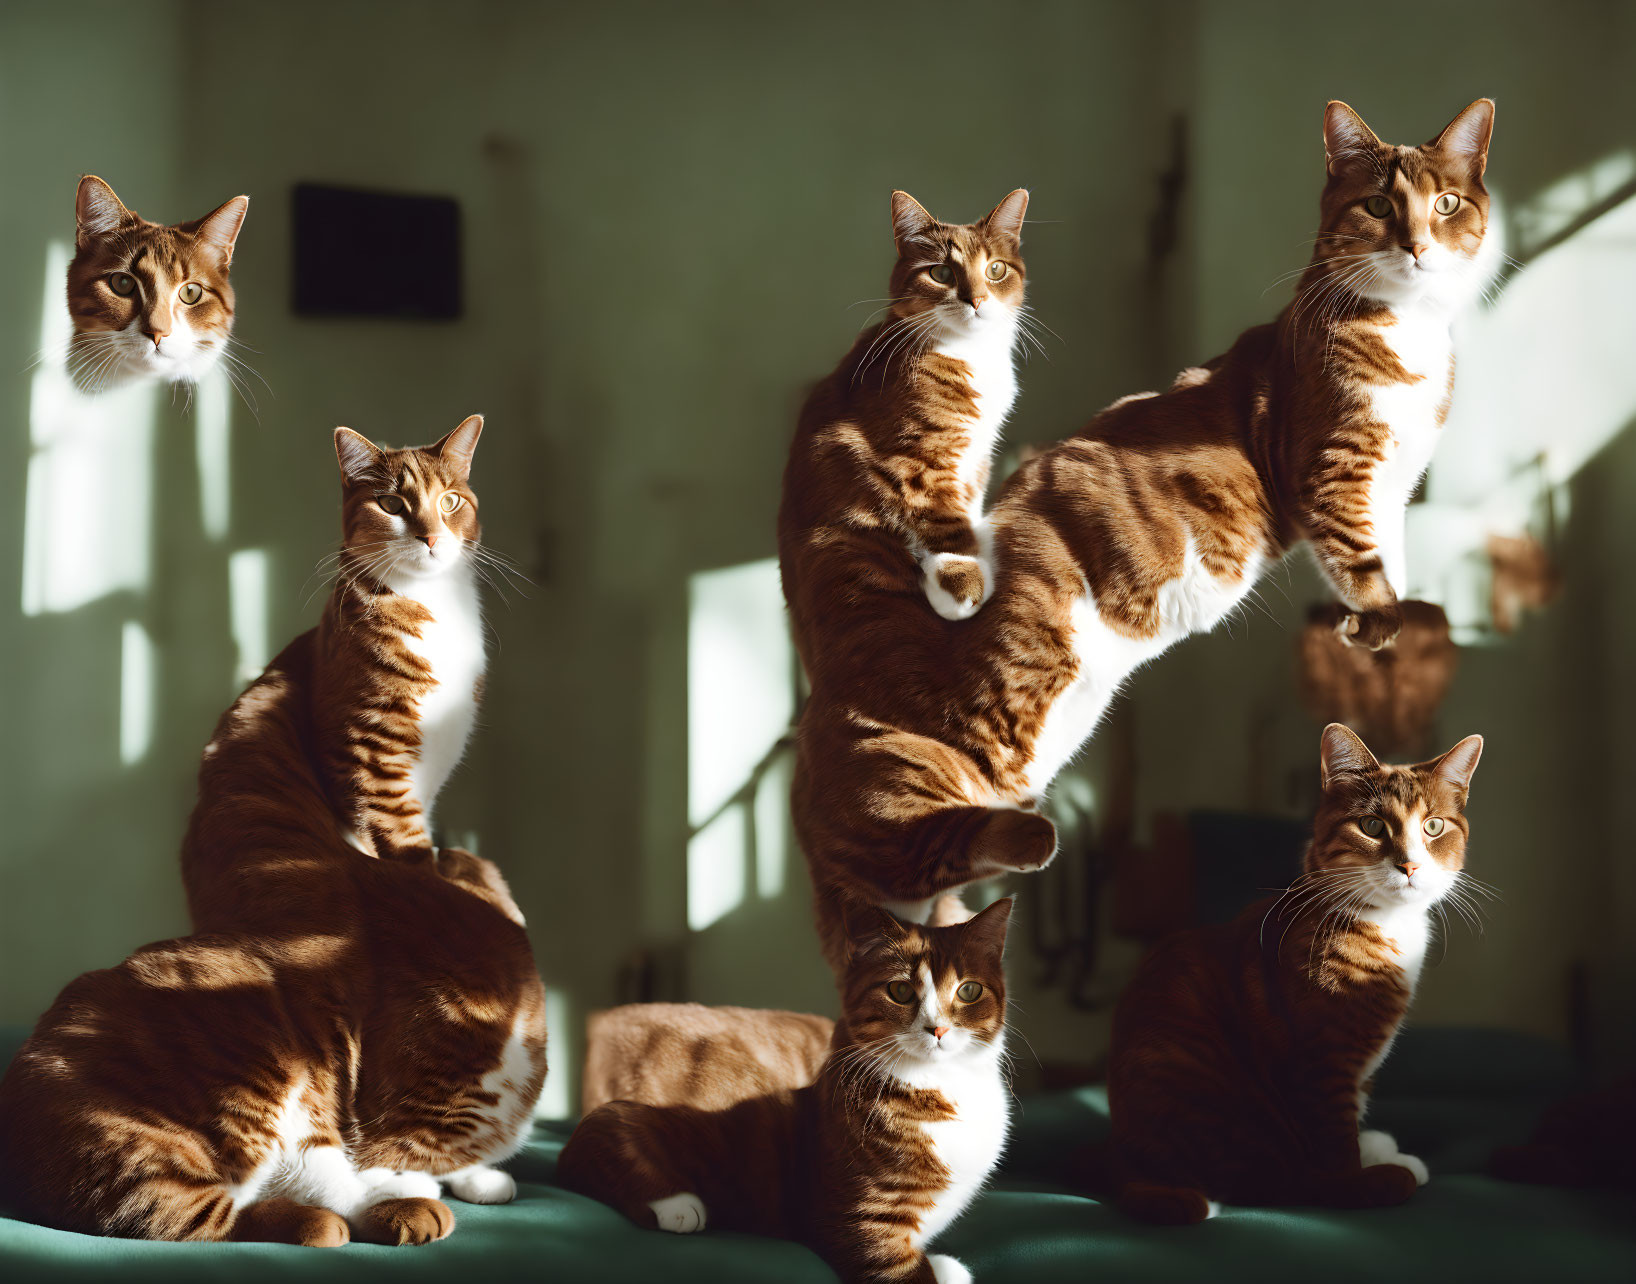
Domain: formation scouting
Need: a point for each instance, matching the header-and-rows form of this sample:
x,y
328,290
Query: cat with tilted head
x,y
927,744
358,1023
878,1155
148,300
1244,1054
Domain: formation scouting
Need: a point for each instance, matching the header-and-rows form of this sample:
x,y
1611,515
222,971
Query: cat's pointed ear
x,y
910,221
868,927
1342,753
1347,139
458,447
358,455
1006,218
219,229
97,210
1457,765
987,929
1466,136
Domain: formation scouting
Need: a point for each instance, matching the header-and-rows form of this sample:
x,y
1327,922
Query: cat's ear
x,y
1342,753
1457,765
1466,136
986,930
219,229
1347,139
1006,218
868,927
357,454
910,221
97,210
458,447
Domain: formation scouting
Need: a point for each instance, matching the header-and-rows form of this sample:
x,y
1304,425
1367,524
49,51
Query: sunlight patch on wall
x,y
772,828
740,700
137,676
212,444
557,1098
87,512
248,586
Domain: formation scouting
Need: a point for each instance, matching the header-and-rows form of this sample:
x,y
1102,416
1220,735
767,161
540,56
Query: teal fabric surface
x,y
1449,1096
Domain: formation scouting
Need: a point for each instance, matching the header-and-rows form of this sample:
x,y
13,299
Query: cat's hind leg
x,y
683,1214
482,1185
1163,1205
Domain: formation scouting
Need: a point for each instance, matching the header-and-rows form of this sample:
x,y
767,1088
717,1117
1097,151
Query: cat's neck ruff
x,y
1407,929
988,350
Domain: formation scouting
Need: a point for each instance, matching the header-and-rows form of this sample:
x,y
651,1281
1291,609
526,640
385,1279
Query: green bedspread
x,y
1449,1096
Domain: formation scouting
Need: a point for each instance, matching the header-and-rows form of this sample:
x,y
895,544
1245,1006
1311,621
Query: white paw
x,y
1376,1147
948,1270
391,1185
944,602
679,1214
482,1186
1212,1209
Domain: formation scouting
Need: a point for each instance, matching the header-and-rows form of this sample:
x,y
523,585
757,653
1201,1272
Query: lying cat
x,y
1243,1054
902,1127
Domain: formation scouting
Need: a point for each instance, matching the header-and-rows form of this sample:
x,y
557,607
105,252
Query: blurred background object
x,y
670,219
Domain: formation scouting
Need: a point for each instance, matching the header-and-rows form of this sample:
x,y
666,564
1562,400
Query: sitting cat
x,y
1243,1054
926,746
866,1165
360,1017
146,299
902,432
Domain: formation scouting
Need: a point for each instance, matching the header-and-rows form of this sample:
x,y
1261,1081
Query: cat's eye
x,y
1374,826
1379,206
969,992
900,992
996,271
449,502
1447,203
392,504
190,294
123,284
1434,826
942,273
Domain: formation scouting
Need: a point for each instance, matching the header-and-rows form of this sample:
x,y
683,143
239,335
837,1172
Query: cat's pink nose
x,y
938,1031
1418,248
1408,867
431,540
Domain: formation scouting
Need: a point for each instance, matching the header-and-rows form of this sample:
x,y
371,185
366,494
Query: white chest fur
x,y
451,642
970,1144
1408,929
992,376
1419,339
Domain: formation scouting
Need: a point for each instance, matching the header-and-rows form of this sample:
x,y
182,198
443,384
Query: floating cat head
x,y
408,514
148,300
927,994
1402,224
1390,835
960,277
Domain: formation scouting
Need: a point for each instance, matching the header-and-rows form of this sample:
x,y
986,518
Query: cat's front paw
x,y
956,585
948,1270
1376,1147
682,1214
482,1186
1371,630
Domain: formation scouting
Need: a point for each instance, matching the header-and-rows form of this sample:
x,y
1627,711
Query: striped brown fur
x,y
845,1165
686,1054
383,1005
148,298
927,743
1243,1054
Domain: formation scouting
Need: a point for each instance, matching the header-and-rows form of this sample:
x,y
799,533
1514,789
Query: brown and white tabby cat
x,y
927,744
902,431
360,1018
687,1054
866,1165
146,299
1243,1054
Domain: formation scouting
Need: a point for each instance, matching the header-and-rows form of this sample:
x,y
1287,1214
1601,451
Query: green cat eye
x,y
1434,826
996,271
1447,203
190,293
942,273
122,284
449,502
391,504
1372,825
1379,206
900,992
969,992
